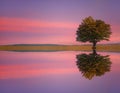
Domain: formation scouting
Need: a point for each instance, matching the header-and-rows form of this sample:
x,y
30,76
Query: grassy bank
x,y
112,47
109,47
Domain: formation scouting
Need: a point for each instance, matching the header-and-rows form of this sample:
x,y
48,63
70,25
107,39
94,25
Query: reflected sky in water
x,y
53,72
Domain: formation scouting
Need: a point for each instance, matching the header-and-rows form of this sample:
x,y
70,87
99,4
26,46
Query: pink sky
x,y
53,22
20,24
50,28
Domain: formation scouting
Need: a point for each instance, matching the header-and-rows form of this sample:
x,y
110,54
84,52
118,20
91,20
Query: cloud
x,y
21,24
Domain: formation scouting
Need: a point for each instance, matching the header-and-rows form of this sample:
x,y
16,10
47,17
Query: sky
x,y
53,21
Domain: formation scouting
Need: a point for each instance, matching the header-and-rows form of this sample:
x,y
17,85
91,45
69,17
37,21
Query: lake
x,y
59,72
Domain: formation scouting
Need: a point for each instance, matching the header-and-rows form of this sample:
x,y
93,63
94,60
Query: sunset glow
x,y
52,21
20,24
39,52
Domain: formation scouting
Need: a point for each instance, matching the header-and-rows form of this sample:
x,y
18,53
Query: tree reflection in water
x,y
93,64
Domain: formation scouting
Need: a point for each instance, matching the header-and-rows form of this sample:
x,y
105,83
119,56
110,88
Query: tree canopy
x,y
93,31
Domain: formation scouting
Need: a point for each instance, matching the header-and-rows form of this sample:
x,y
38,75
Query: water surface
x,y
54,72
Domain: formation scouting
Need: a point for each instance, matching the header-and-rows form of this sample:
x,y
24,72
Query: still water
x,y
59,72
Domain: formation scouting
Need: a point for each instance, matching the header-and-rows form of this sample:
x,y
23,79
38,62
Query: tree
x,y
93,31
93,64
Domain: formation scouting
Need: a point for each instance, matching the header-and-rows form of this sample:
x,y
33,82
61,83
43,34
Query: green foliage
x,y
93,65
92,30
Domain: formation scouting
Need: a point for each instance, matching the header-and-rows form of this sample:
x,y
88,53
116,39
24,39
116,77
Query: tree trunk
x,y
94,52
94,45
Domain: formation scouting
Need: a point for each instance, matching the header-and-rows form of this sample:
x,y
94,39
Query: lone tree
x,y
93,31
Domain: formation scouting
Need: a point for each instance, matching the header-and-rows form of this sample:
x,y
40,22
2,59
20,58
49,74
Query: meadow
x,y
52,47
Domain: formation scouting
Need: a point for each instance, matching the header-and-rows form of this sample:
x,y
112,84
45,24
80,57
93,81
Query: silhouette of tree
x,y
93,31
93,64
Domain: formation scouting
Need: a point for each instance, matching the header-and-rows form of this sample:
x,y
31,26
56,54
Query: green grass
x,y
47,48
